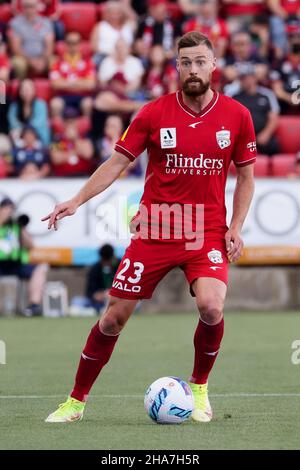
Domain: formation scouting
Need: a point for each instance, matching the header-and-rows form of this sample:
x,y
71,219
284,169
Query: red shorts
x,y
146,262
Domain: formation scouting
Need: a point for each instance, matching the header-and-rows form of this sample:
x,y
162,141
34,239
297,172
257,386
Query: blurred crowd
x,y
72,75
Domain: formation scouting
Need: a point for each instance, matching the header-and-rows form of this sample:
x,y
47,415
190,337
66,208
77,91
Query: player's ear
x,y
214,63
177,65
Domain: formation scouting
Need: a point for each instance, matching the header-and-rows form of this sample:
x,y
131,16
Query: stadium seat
x,y
85,48
42,85
80,17
5,13
282,164
288,134
261,167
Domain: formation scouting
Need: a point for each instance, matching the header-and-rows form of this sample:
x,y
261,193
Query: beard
x,y
195,87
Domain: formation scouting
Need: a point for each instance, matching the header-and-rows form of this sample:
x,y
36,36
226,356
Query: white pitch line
x,y
214,395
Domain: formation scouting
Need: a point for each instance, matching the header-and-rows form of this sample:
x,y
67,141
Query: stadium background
x,y
265,279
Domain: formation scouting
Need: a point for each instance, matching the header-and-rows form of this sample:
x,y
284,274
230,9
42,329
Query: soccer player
x,y
191,137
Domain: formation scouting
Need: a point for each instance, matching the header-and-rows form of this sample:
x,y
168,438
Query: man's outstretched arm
x,y
101,179
243,194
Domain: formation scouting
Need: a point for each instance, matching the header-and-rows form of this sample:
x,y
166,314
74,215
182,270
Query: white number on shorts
x,y
139,268
120,275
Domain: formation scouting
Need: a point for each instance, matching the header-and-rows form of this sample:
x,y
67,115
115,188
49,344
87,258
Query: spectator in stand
x,y
31,41
264,109
30,160
286,78
207,22
113,130
73,79
285,19
259,30
118,22
26,110
72,155
240,14
100,277
156,28
48,8
242,55
122,62
112,99
161,76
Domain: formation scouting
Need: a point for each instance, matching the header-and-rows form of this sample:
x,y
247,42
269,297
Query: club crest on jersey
x,y
223,139
168,137
215,256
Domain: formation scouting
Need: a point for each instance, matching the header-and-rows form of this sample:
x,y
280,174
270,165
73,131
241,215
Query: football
x,y
169,400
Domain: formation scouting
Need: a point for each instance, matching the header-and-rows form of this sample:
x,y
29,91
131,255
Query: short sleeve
x,y
135,139
245,145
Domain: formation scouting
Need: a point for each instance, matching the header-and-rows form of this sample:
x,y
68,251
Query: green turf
x,y
256,358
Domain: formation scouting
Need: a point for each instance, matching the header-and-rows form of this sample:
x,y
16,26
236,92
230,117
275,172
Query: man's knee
x,y
115,318
211,309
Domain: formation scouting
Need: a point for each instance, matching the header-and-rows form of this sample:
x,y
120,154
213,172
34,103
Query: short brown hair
x,y
192,39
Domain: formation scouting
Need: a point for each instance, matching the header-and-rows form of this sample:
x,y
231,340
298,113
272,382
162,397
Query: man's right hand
x,y
60,211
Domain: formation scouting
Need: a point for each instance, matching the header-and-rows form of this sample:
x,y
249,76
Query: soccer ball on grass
x,y
169,400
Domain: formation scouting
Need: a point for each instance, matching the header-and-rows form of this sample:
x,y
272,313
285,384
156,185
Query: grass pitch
x,y
254,386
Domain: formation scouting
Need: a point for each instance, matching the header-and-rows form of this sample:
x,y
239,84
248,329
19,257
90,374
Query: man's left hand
x,y
234,245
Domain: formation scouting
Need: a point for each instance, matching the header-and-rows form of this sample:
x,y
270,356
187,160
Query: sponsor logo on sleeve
x,y
251,146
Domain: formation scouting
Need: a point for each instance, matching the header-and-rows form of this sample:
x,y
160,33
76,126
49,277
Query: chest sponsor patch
x,y
168,137
223,139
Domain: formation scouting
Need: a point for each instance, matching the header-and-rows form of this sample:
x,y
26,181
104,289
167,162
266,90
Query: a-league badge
x,y
168,137
223,139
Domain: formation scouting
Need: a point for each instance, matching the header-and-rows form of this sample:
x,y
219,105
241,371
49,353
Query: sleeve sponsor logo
x,y
251,146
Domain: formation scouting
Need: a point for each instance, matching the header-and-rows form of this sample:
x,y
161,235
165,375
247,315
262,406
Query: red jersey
x,y
72,69
190,153
75,166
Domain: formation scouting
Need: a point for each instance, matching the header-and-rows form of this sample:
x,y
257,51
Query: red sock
x,y
95,355
207,341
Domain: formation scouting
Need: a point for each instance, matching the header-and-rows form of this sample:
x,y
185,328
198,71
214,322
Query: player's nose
x,y
193,69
